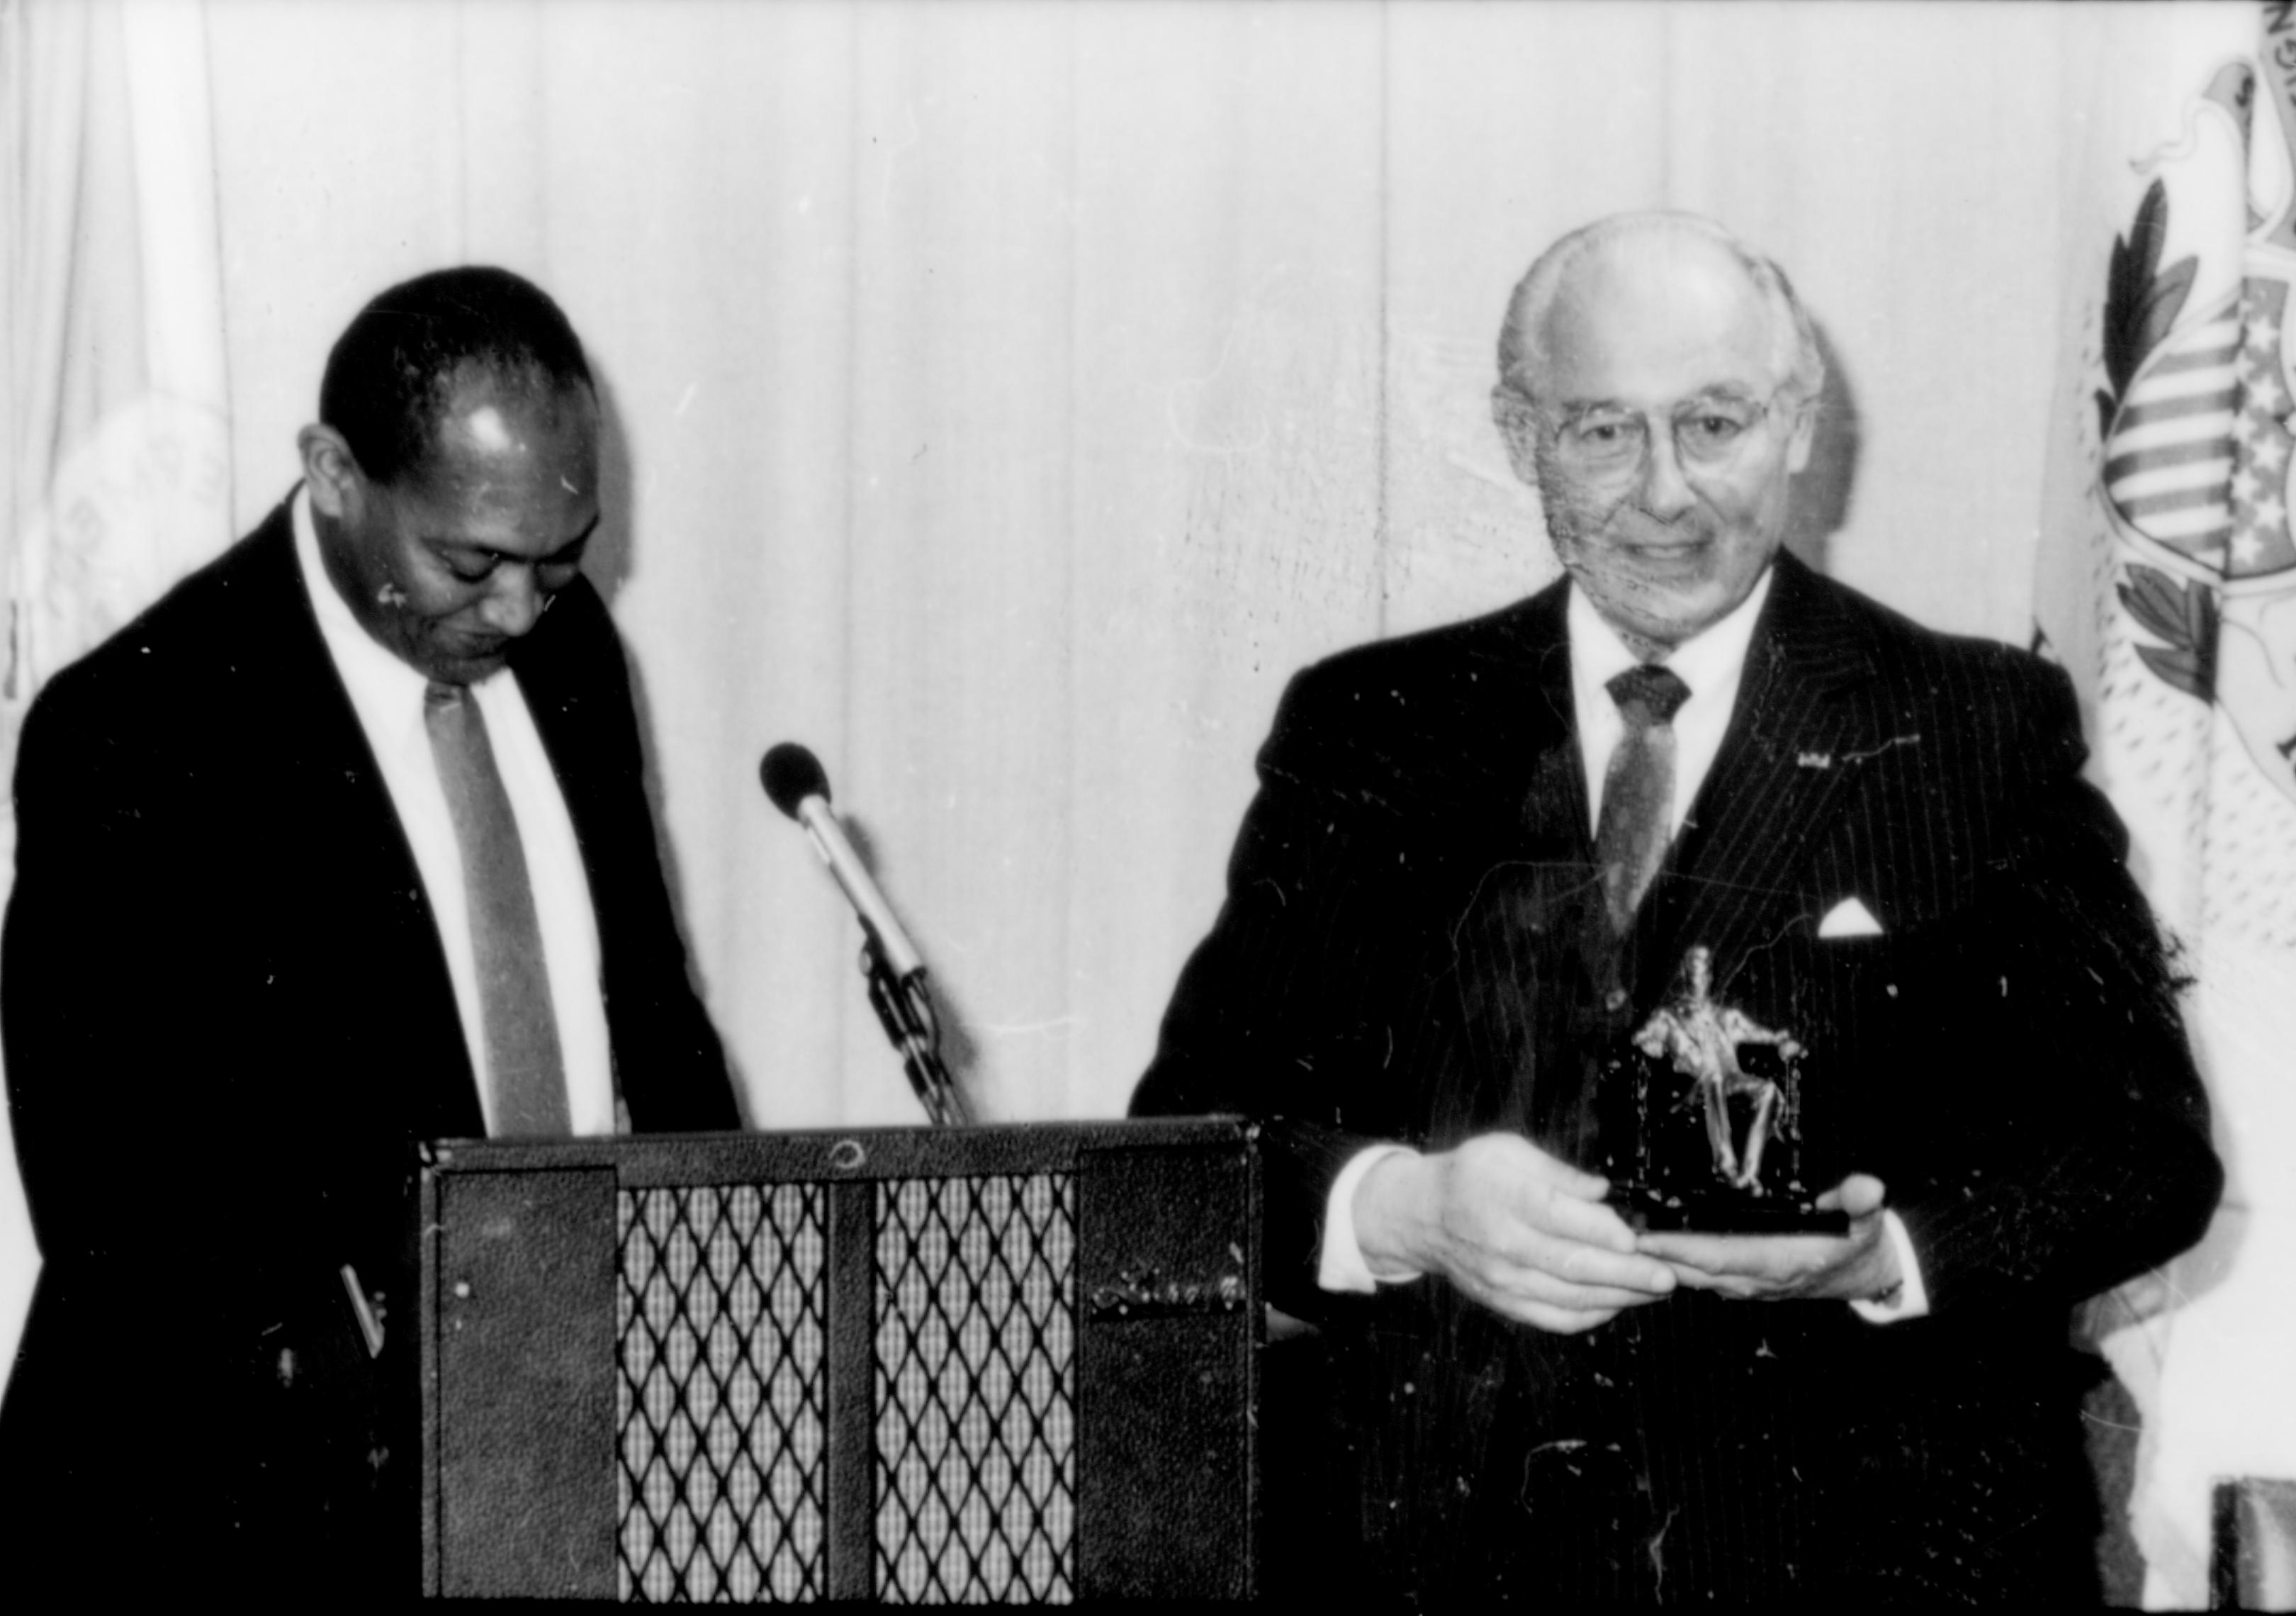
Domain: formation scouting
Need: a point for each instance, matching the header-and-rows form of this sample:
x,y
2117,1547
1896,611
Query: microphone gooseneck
x,y
798,785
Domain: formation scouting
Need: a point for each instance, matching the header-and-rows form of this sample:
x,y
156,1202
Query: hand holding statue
x,y
1527,1235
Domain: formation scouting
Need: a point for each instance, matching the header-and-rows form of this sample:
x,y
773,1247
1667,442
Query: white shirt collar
x,y
377,678
1706,662
1710,664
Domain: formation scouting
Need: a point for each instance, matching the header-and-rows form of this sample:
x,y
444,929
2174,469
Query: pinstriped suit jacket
x,y
1400,958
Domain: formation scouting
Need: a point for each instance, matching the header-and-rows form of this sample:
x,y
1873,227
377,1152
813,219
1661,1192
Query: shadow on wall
x,y
607,563
606,560
1821,502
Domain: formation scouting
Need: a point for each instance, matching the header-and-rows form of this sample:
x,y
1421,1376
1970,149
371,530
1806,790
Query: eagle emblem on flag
x,y
2198,420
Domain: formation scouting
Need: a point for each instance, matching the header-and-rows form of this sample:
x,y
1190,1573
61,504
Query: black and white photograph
x,y
1389,802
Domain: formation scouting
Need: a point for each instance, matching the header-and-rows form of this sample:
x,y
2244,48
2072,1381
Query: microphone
x,y
895,974
793,779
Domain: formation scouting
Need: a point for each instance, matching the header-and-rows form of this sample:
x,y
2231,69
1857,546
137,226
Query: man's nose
x,y
514,604
1664,492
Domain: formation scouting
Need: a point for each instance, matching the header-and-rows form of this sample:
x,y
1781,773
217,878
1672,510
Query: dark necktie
x,y
527,1080
1635,824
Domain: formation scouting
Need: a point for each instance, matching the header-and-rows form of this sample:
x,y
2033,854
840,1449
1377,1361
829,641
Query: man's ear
x,y
1517,419
1805,434
331,471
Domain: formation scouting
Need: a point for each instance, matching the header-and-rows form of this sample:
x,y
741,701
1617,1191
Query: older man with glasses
x,y
1693,845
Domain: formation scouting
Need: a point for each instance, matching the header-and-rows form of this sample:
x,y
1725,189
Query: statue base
x,y
1722,1212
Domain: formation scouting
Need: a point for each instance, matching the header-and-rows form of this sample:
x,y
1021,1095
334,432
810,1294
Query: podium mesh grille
x,y
723,1310
976,1389
722,1330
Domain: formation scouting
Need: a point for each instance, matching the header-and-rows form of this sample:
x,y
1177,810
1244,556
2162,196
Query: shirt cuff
x,y
1911,1299
1340,1267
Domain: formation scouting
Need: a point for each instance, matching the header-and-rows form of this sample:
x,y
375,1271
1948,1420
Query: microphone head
x,y
791,773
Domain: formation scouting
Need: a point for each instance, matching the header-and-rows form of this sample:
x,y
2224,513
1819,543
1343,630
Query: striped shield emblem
x,y
2197,460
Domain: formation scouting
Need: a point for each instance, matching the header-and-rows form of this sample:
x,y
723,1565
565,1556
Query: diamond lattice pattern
x,y
722,1326
976,1389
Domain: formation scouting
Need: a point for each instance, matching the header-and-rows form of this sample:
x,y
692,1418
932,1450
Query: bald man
x,y
341,847
1691,791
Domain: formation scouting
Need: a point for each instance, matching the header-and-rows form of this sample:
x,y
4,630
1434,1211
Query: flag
x,y
2166,584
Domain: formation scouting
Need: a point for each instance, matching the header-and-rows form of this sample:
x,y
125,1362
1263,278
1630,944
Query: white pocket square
x,y
1850,918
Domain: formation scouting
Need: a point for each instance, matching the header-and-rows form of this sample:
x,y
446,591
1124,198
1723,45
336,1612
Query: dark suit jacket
x,y
1403,956
229,1020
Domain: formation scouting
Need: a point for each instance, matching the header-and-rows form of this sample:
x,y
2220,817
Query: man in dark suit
x,y
1486,863
341,847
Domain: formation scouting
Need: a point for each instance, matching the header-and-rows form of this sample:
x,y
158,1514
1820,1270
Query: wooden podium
x,y
1004,1364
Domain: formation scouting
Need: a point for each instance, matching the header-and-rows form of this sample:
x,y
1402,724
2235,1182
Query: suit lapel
x,y
1807,723
1526,739
1554,808
1512,946
329,783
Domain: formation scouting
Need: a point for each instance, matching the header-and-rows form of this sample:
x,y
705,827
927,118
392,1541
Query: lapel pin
x,y
1815,759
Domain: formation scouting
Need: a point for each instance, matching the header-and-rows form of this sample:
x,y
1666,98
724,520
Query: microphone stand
x,y
906,1011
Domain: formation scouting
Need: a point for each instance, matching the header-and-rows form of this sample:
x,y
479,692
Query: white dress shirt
x,y
1710,664
387,695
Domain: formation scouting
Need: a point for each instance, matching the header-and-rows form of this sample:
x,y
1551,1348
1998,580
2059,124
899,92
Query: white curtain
x,y
1006,399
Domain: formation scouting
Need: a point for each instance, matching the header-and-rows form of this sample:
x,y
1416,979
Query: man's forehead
x,y
488,432
1660,308
494,416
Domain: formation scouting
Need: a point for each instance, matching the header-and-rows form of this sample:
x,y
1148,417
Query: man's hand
x,y
1520,1232
1860,1266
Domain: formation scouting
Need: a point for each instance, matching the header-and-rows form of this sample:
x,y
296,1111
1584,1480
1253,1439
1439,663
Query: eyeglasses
x,y
1709,434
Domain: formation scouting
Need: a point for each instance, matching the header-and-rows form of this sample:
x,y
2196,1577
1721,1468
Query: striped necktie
x,y
1637,820
526,1078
